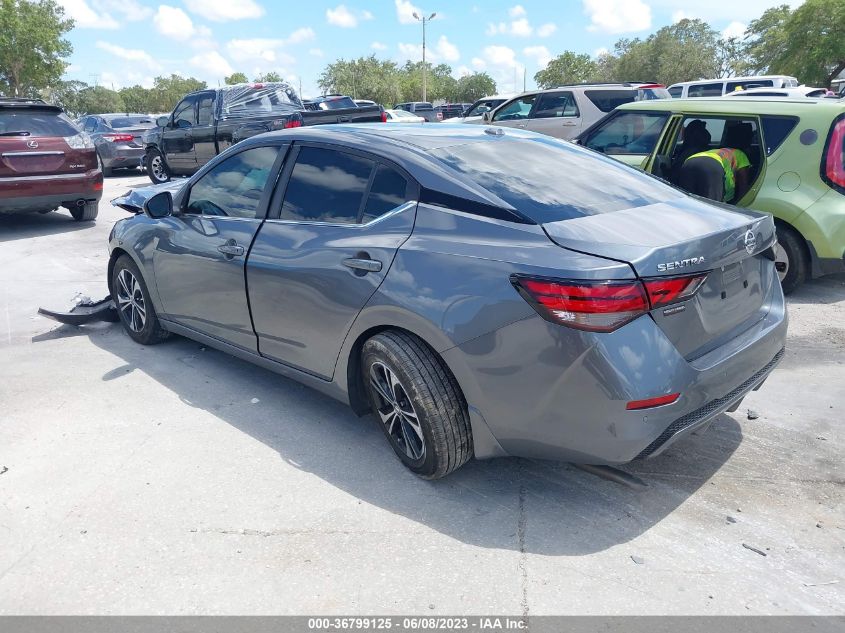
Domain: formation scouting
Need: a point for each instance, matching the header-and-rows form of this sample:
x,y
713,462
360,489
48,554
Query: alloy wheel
x,y
157,167
396,411
781,262
130,299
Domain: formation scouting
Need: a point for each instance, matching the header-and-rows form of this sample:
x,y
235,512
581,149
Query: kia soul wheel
x,y
417,403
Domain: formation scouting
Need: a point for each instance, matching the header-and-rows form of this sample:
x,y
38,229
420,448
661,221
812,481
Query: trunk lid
x,y
682,237
32,143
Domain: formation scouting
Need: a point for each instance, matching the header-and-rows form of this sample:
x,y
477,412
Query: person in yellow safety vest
x,y
722,174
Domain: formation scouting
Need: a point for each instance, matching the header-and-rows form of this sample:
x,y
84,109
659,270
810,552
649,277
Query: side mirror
x,y
162,121
487,117
159,206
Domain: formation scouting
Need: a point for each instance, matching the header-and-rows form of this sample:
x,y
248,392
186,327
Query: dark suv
x,y
46,162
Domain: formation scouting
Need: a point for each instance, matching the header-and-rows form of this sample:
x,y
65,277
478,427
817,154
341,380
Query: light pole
x,y
424,20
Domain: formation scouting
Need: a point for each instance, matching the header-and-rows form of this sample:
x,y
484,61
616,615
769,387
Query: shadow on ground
x,y
532,506
28,225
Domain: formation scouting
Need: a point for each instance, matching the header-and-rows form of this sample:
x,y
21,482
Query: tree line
x,y
807,42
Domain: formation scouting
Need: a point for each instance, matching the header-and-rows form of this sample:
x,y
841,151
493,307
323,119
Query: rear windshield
x,y
423,106
259,99
26,122
118,123
337,103
550,180
607,100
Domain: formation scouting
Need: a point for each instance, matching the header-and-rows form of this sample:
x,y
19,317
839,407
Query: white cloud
x,y
501,63
521,28
601,50
546,29
414,52
405,11
680,14
446,50
86,17
123,79
617,16
496,29
173,23
225,10
540,54
129,10
212,63
721,10
378,46
300,35
259,50
460,71
478,63
366,15
342,17
516,11
734,29
129,54
316,52
500,56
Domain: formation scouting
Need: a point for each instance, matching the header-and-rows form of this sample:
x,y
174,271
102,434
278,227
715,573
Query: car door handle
x,y
520,125
231,248
570,123
367,265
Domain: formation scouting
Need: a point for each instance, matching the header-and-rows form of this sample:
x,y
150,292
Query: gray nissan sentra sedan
x,y
483,292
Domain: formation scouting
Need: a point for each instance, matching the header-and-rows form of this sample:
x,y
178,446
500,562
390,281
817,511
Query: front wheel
x,y
791,259
132,299
418,404
156,167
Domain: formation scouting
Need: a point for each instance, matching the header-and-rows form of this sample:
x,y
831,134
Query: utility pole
x,y
424,20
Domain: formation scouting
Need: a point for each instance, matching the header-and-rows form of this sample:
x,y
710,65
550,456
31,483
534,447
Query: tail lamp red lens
x,y
119,138
648,403
834,161
383,116
294,121
602,306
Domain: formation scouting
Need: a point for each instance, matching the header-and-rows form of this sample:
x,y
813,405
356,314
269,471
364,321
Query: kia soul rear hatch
x,y
38,140
703,264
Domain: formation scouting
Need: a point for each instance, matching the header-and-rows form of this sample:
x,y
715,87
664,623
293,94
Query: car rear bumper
x,y
24,194
550,392
117,156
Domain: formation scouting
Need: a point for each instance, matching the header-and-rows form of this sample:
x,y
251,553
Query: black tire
x,y
107,171
156,167
150,331
431,394
793,257
85,213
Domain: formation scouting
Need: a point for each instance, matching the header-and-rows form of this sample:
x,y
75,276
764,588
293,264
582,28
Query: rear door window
x,y
676,92
205,109
555,104
387,191
628,133
775,131
705,90
32,122
745,85
326,186
607,100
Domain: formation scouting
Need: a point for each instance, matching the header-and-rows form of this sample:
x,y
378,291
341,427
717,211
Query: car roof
x,y
729,79
747,105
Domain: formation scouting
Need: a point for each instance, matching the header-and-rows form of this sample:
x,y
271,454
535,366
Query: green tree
x,y
439,82
167,91
66,95
808,43
684,51
363,78
268,77
475,86
99,99
566,68
235,78
136,99
605,67
32,45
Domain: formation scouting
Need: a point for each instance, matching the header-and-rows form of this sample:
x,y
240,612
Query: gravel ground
x,y
178,480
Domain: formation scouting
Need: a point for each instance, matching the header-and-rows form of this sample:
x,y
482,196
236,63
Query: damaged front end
x,y
84,310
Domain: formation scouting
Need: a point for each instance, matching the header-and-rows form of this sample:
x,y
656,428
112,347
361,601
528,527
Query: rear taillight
x,y
833,168
294,121
602,306
119,138
663,291
383,116
585,305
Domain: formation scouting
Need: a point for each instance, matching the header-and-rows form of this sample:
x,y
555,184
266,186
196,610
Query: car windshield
x,y
29,122
480,107
550,180
118,123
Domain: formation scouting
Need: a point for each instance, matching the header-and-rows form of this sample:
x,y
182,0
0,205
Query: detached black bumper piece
x,y
85,311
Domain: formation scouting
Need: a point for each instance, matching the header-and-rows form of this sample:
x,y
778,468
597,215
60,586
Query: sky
x,y
125,42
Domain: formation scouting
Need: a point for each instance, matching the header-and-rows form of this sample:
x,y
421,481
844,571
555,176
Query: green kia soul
x,y
797,165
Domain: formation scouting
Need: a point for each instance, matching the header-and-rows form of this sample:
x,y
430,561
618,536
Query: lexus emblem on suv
x,y
750,241
32,144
